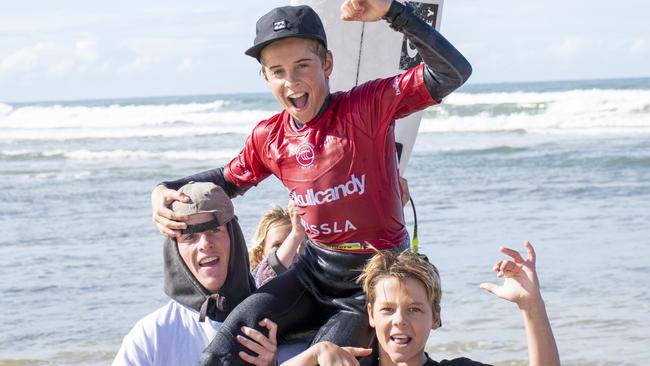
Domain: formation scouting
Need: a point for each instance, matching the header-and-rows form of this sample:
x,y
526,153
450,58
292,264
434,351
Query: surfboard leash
x,y
415,242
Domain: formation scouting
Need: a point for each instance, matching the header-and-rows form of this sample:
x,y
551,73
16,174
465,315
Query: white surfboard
x,y
367,51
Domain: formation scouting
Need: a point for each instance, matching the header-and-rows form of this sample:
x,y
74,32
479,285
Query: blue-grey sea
x,y
565,165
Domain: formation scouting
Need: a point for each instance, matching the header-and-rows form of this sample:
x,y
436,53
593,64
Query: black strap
x,y
199,228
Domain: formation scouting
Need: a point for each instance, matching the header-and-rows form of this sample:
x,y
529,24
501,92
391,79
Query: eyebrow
x,y
302,60
295,62
418,303
389,302
385,302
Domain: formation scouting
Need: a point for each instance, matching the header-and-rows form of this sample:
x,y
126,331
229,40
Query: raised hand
x,y
265,347
520,285
294,215
167,221
364,10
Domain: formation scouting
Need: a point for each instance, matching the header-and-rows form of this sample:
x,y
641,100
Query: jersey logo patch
x,y
305,155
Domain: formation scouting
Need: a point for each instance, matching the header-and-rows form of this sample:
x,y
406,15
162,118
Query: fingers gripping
x,y
273,330
264,347
351,9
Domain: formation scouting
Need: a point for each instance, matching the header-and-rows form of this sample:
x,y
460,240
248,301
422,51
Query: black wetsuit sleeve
x,y
215,176
275,263
446,68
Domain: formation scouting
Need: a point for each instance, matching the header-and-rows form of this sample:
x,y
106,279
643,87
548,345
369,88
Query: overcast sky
x,y
79,49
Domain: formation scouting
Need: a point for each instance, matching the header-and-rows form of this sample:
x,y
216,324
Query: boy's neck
x,y
385,360
326,103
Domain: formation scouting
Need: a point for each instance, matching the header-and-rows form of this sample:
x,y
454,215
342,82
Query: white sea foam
x,y
59,116
597,111
576,112
122,154
4,110
596,95
121,133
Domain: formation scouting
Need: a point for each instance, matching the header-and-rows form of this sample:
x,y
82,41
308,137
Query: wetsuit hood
x,y
184,288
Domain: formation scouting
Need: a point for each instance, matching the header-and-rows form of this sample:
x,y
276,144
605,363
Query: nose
x,y
291,79
399,317
207,241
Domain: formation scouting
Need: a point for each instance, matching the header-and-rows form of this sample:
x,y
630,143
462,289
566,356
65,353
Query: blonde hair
x,y
402,266
273,215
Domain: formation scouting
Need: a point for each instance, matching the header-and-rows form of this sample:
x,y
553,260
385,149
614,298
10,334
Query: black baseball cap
x,y
284,22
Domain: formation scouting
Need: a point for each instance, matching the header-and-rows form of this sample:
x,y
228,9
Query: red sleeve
x,y
384,100
247,168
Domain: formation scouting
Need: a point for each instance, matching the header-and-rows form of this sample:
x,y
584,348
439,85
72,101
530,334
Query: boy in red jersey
x,y
335,154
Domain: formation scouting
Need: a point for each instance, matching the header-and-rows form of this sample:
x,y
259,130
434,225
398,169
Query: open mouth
x,y
209,261
298,100
400,339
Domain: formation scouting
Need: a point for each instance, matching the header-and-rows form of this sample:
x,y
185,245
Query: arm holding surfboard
x,y
446,68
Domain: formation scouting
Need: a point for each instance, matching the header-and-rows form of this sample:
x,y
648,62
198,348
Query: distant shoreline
x,y
510,86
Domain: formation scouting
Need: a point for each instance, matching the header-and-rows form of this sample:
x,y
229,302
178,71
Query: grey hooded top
x,y
184,288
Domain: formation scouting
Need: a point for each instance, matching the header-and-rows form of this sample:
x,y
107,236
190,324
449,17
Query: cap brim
x,y
256,50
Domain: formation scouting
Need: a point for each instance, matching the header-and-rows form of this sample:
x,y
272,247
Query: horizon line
x,y
469,85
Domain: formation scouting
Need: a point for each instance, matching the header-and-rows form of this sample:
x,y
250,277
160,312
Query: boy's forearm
x,y
215,176
542,350
446,68
287,251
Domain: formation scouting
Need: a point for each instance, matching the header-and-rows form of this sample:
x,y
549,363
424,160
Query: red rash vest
x,y
341,167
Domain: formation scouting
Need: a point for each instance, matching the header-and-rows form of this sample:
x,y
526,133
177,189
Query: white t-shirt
x,y
173,335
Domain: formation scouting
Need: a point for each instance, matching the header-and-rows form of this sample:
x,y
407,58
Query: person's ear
x,y
328,66
437,321
371,319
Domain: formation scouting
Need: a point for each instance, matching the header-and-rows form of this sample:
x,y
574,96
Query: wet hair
x,y
315,46
403,265
272,216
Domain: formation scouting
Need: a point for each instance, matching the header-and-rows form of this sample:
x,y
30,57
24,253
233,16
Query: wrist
x,y
532,305
297,232
395,15
314,353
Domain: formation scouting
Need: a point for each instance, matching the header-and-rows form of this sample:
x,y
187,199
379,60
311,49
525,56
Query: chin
x,y
402,356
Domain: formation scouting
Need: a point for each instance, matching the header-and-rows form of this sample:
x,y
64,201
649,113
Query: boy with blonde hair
x,y
403,292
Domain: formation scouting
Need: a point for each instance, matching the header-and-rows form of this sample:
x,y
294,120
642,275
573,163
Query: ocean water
x,y
565,165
